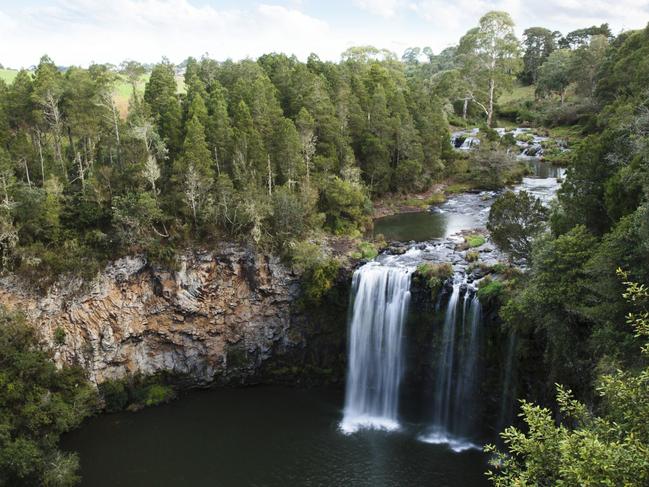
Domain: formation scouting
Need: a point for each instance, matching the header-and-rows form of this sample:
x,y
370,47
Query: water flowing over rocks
x,y
220,316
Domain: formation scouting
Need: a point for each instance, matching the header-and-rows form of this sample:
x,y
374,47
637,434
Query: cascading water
x,y
457,372
380,303
508,392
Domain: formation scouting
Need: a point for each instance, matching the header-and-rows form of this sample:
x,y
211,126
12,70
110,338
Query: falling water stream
x,y
380,303
454,407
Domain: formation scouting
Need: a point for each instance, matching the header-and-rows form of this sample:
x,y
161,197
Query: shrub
x,y
114,394
472,256
490,291
436,199
346,204
365,250
434,275
318,270
407,176
59,336
158,394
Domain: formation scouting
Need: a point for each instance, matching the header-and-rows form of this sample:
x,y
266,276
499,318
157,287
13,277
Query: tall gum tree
x,y
492,52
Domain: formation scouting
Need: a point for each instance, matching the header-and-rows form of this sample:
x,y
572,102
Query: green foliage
x,y
539,44
489,55
434,275
491,167
549,306
346,205
241,154
436,199
38,403
515,220
158,394
609,448
135,392
490,291
114,395
475,240
59,336
556,74
365,251
319,271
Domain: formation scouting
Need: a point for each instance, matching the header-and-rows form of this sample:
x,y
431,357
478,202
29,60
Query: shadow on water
x,y
260,436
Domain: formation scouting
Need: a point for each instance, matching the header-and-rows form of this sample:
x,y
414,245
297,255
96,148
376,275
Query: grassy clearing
x,y
8,75
122,89
518,94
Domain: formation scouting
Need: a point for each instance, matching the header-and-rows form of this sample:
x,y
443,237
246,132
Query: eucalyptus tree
x,y
490,56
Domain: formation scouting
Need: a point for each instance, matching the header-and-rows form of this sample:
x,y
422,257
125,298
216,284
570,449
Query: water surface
x,y
466,211
260,436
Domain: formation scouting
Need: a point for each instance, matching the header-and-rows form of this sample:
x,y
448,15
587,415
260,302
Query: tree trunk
x,y
116,122
465,108
40,154
270,179
490,112
29,181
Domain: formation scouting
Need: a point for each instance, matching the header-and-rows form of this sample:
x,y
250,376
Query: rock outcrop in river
x,y
222,316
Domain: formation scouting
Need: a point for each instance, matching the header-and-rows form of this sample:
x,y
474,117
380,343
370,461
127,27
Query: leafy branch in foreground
x,y
611,448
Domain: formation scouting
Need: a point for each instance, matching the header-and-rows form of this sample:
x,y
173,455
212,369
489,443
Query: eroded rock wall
x,y
219,317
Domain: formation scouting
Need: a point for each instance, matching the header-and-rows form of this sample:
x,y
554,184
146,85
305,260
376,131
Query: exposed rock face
x,y
219,317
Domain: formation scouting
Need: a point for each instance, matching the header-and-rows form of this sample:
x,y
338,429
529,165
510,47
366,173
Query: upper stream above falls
x,y
465,211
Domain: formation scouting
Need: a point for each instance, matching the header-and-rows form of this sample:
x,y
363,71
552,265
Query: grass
x,y
518,94
472,256
416,202
8,75
122,89
457,188
475,240
436,199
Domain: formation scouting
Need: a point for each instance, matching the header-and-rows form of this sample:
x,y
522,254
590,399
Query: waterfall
x,y
380,302
456,383
508,390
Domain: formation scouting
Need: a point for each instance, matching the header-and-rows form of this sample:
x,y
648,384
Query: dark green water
x,y
261,436
421,226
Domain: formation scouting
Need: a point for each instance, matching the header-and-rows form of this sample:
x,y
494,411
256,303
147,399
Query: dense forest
x,y
288,155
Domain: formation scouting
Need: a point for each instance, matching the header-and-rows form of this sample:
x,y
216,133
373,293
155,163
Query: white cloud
x,y
80,31
72,30
383,8
565,15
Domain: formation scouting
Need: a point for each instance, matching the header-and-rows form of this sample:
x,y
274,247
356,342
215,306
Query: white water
x,y
381,295
457,373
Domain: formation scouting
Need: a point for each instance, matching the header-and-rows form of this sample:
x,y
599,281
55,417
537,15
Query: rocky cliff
x,y
224,315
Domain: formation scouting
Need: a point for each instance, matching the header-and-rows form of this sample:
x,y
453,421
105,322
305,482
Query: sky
x,y
84,31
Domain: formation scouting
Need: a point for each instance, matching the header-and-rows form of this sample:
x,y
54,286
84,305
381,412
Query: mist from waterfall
x,y
375,364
